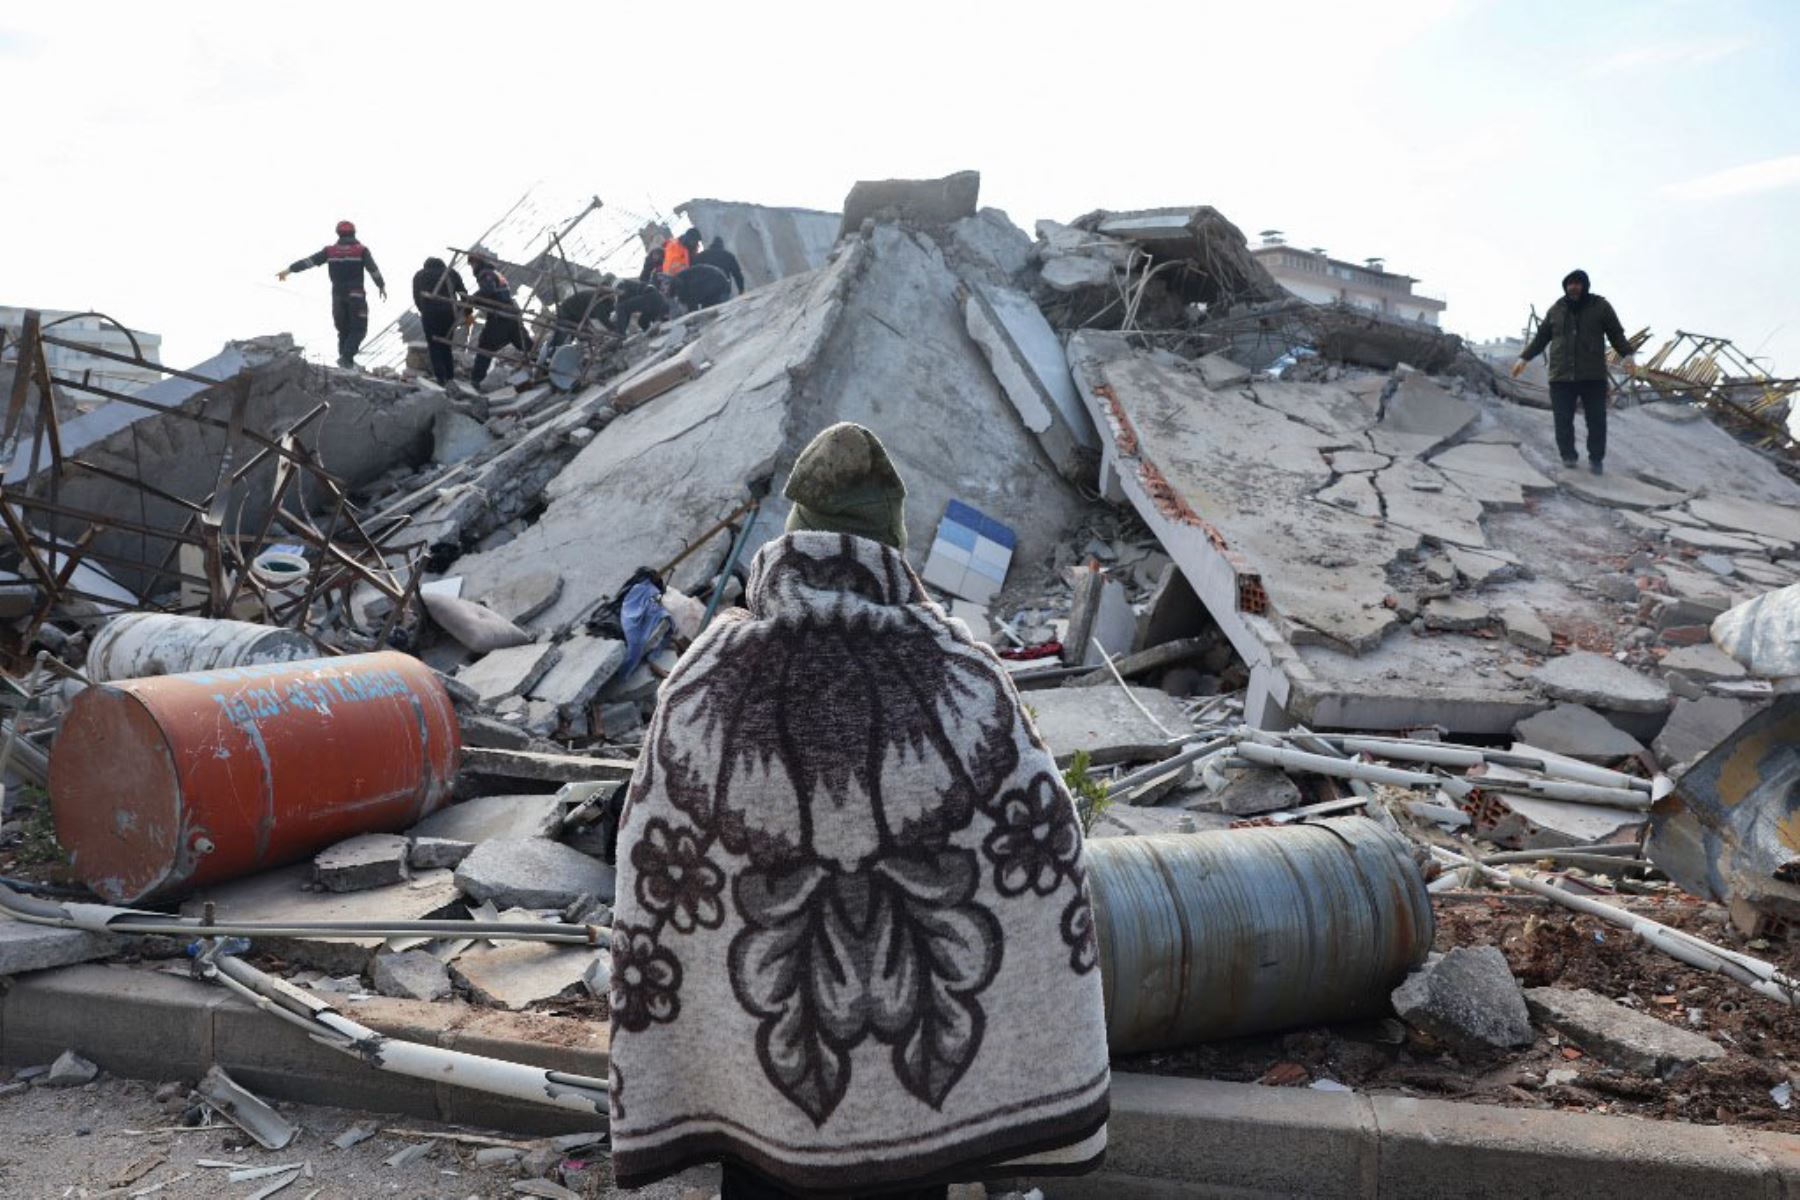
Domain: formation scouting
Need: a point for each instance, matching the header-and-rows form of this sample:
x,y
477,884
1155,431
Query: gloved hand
x,y
282,275
382,292
1518,368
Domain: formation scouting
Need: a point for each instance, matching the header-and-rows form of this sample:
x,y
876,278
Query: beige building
x,y
1314,275
89,368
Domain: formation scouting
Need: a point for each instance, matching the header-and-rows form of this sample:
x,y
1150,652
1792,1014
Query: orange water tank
x,y
170,782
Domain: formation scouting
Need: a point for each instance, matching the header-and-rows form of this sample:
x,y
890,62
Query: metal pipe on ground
x,y
163,784
1213,935
140,644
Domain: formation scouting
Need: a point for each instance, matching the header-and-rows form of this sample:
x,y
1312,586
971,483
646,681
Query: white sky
x,y
164,160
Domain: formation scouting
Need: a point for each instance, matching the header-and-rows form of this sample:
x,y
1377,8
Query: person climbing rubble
x,y
853,950
436,289
504,324
700,286
718,255
639,300
345,261
582,307
1576,329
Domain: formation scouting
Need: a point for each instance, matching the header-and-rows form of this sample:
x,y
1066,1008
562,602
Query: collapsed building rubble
x,y
1337,647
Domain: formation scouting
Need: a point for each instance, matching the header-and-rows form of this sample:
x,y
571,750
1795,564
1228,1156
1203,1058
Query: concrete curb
x,y
1169,1137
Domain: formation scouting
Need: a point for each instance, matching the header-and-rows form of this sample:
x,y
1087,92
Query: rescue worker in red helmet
x,y
345,260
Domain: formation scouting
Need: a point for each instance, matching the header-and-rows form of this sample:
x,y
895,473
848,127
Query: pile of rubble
x,y
1254,562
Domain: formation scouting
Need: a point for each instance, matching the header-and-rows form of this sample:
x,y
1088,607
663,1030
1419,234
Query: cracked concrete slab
x,y
1416,497
1493,461
1354,492
1420,406
1616,490
1327,407
1734,512
1345,462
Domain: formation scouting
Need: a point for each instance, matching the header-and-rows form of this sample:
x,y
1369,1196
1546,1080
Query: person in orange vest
x,y
679,252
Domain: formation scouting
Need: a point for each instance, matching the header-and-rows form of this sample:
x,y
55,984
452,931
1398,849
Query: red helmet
x,y
346,227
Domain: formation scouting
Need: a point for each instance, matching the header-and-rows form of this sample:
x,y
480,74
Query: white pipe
x,y
1425,752
1319,764
1573,793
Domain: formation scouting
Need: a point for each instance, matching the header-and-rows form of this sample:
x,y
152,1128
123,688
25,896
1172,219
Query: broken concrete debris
x,y
1467,999
1622,1037
1373,542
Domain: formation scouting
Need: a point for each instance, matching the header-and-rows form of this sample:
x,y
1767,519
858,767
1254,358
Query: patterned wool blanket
x,y
852,947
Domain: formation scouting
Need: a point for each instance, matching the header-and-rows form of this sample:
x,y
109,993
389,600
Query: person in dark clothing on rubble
x,y
716,255
345,260
1576,329
700,286
638,300
436,289
504,324
579,308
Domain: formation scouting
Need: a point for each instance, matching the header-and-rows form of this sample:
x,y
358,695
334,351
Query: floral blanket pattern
x,y
852,943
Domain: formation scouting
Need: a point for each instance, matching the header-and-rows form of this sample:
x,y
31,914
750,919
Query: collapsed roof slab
x,y
876,337
1240,476
770,243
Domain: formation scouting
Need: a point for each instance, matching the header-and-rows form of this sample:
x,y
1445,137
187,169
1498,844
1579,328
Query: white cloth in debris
x,y
853,948
1763,633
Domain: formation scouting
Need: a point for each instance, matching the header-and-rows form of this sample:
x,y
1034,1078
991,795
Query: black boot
x,y
1594,466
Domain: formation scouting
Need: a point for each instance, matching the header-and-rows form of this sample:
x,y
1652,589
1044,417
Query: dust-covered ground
x,y
1549,946
112,1138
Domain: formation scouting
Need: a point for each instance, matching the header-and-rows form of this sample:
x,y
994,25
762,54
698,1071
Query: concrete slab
x,y
1493,461
1525,628
587,663
1330,408
1414,497
27,947
1695,727
435,853
532,873
516,975
917,201
1619,1036
370,860
279,897
1712,539
1601,682
1481,568
1705,663
1490,492
1221,460
990,240
486,818
1105,723
1350,461
1422,407
1455,613
523,596
769,243
1027,360
1578,732
410,975
1256,790
1354,492
501,674
1617,490
1736,512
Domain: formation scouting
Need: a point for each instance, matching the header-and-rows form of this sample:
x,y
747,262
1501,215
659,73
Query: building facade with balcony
x,y
1316,276
67,363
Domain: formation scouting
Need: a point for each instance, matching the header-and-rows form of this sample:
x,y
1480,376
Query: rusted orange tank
x,y
170,782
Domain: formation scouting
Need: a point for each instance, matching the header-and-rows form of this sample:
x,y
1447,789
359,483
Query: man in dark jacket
x,y
578,308
436,289
1576,329
701,286
504,324
345,260
638,300
716,255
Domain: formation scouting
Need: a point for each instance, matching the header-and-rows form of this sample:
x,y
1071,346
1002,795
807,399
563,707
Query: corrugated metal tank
x,y
138,645
1213,935
168,783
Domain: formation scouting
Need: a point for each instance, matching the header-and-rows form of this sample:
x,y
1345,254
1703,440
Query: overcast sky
x,y
163,161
